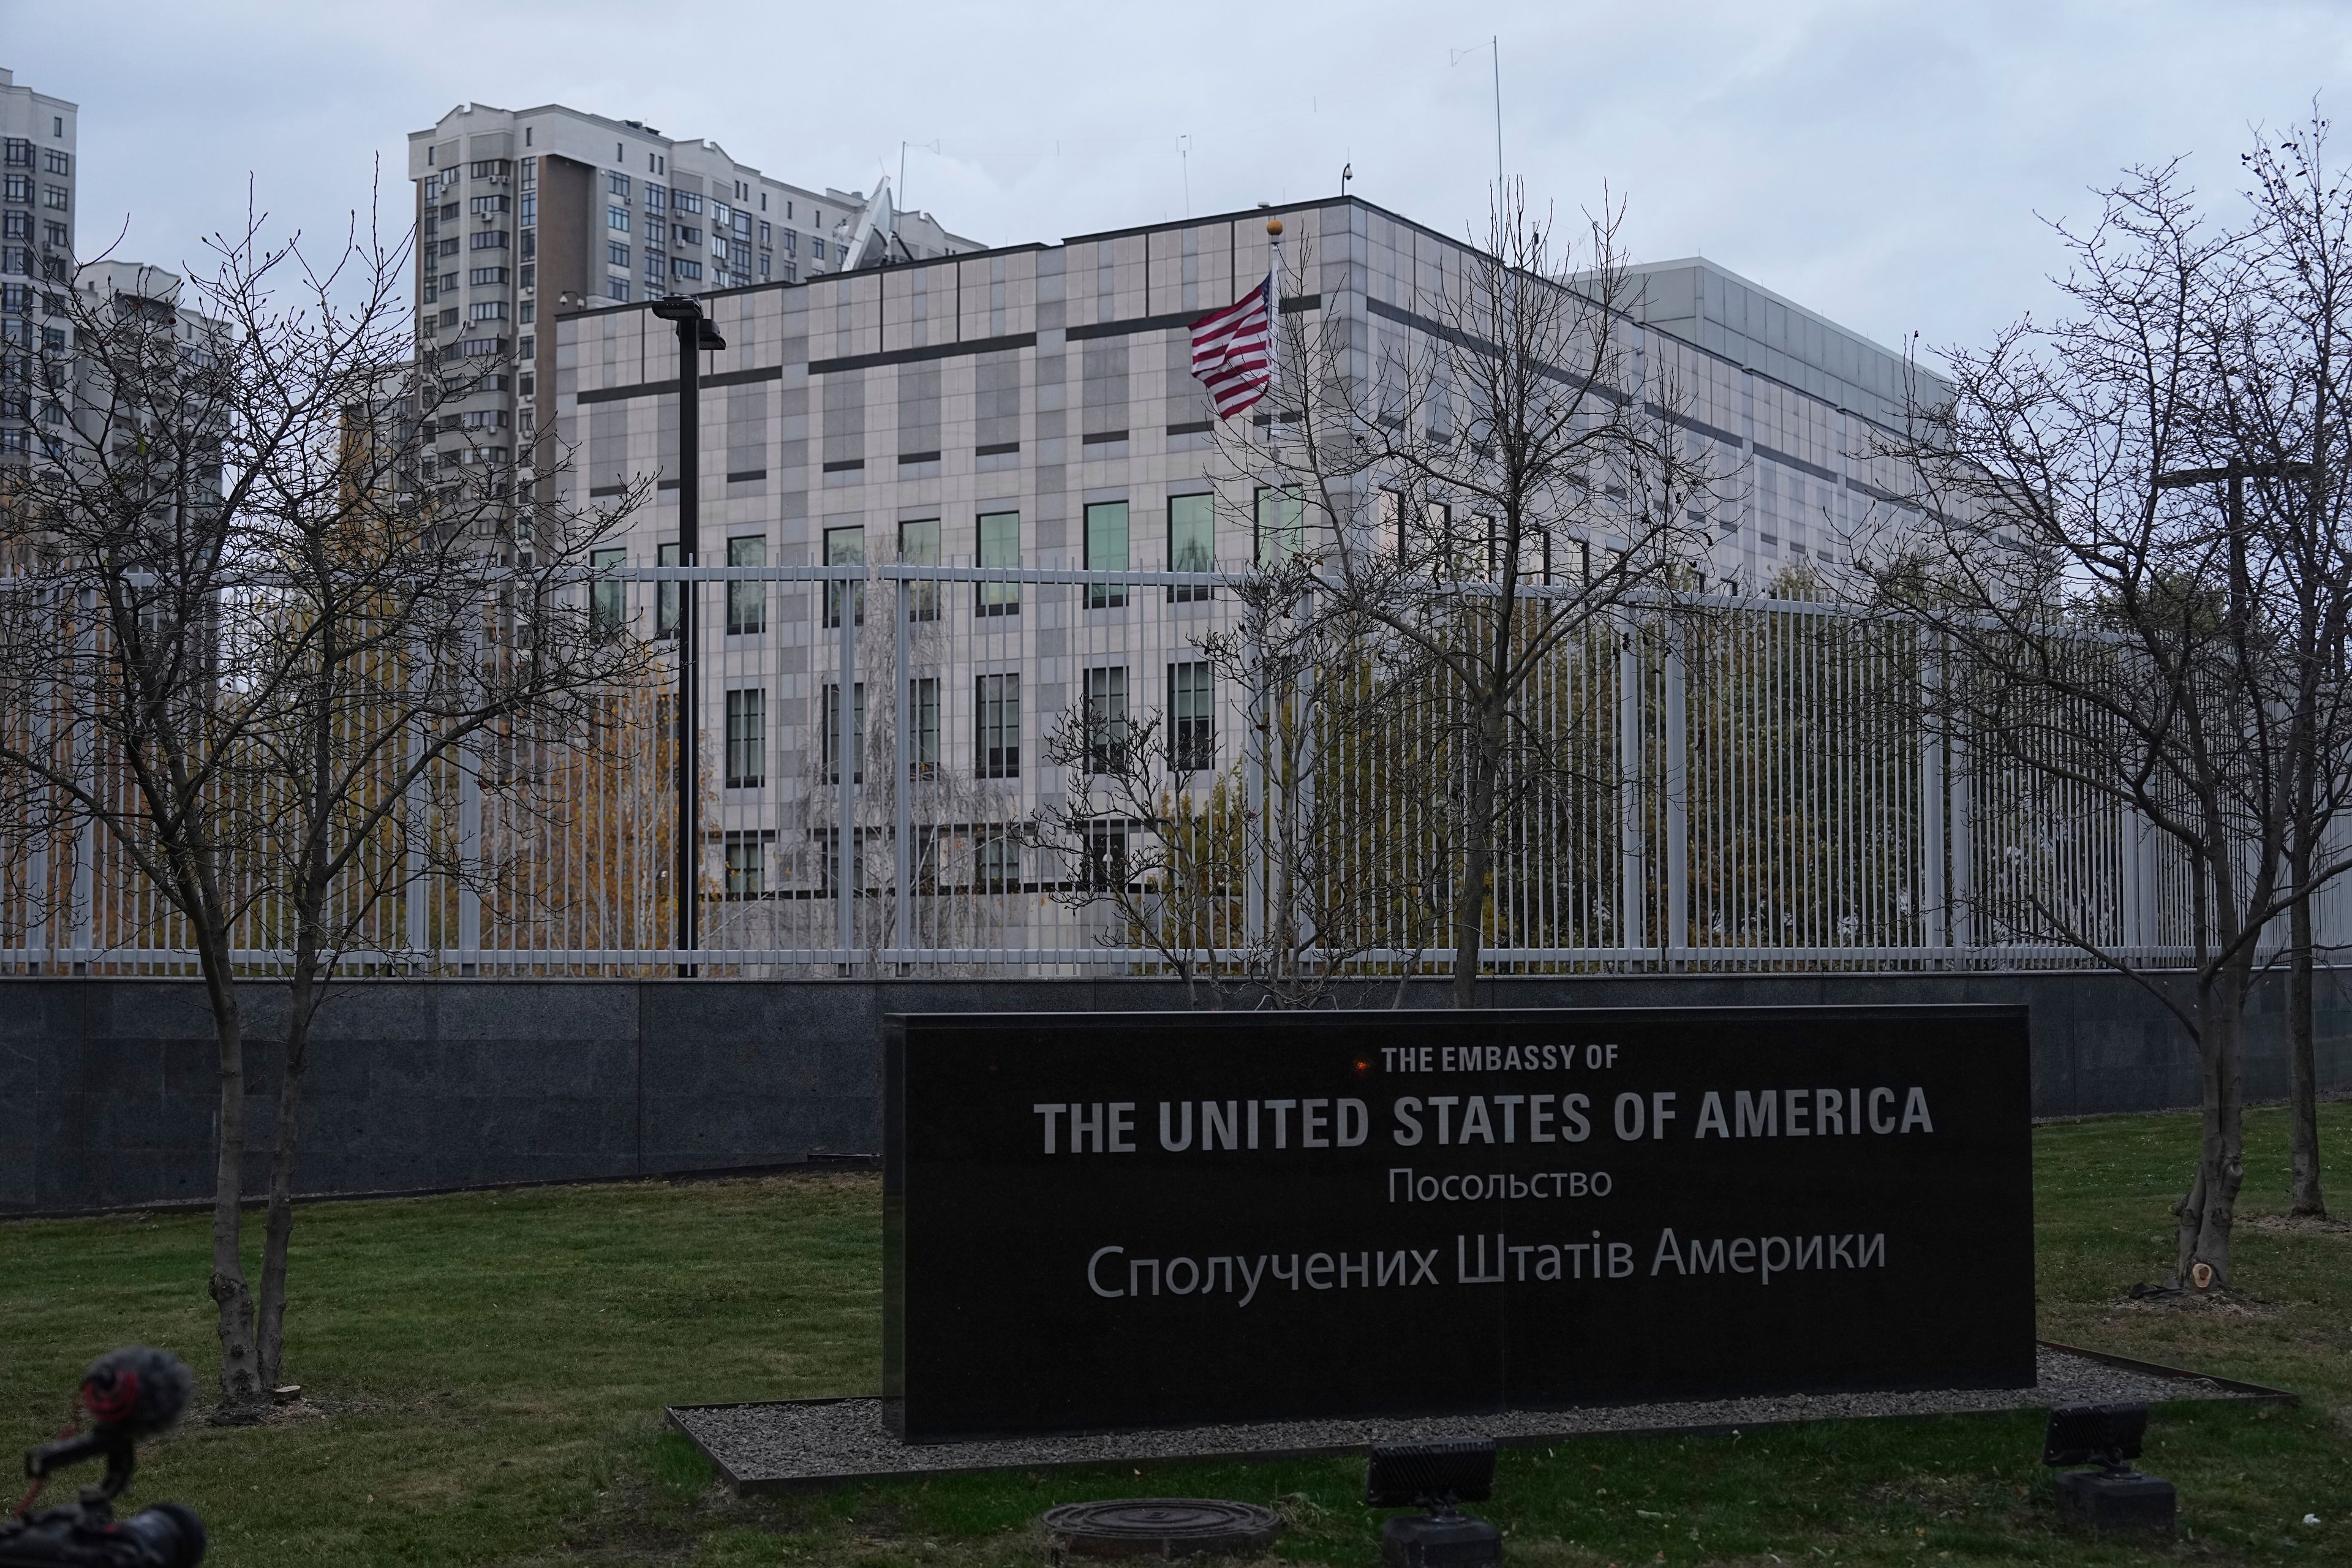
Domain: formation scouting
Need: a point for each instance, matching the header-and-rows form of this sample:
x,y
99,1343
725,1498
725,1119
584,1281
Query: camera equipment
x,y
2113,1495
129,1394
1434,1475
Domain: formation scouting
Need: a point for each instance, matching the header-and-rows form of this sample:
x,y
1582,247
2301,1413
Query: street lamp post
x,y
695,335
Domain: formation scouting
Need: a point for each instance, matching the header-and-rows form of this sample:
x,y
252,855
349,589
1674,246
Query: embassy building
x,y
1031,408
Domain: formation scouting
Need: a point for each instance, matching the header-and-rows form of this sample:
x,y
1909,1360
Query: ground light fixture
x,y
1434,1476
2115,1496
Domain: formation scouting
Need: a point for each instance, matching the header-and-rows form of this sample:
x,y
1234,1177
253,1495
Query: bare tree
x,y
1249,880
2280,362
2105,635
259,640
1500,485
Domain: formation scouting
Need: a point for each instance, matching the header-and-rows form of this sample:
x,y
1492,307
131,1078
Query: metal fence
x,y
1744,784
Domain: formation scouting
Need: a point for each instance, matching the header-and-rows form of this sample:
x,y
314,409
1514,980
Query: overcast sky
x,y
1882,164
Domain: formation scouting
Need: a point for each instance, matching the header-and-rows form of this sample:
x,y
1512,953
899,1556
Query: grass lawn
x,y
484,1378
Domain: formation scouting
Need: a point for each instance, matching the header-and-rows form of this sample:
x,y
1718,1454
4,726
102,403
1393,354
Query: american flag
x,y
1233,351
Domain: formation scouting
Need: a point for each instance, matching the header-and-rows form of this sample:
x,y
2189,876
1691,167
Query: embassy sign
x,y
1105,1220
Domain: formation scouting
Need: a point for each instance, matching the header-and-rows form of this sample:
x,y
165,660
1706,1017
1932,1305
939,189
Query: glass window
x,y
996,859
617,184
666,600
919,545
1105,864
831,740
845,547
616,255
923,727
1192,717
617,288
1192,542
617,218
999,547
747,603
1106,546
1281,526
1106,720
747,864
747,738
997,714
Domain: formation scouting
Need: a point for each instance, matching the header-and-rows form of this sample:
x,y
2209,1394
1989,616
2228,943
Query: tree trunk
x,y
286,1148
240,1372
1477,860
2209,1211
2304,1192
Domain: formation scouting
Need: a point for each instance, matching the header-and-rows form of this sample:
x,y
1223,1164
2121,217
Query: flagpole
x,y
1273,304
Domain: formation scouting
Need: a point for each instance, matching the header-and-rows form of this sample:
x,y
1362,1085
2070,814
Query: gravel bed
x,y
811,1442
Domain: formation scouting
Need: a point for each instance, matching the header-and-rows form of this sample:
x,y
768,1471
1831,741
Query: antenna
x,y
1184,157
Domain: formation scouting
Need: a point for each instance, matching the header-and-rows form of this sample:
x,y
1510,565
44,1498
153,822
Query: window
x,y
617,288
488,239
16,225
1192,718
482,419
481,276
923,727
996,859
764,231
56,163
679,267
1000,546
997,725
20,152
54,196
526,348
747,603
18,188
528,212
1281,526
790,243
1106,720
483,206
617,256
747,739
487,310
617,184
1388,522
721,216
1106,862
1106,548
607,600
656,198
845,547
919,545
685,201
747,864
449,247
666,599
489,168
684,234
529,312
528,249
1192,542
817,249
53,233
617,219
831,740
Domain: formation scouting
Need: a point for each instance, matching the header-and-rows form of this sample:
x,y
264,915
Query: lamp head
x,y
1435,1474
678,307
2108,1435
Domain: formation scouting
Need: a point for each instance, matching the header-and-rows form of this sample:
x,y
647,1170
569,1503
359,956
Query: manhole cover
x,y
1162,1527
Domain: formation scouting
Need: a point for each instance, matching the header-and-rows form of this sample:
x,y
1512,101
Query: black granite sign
x,y
1134,1219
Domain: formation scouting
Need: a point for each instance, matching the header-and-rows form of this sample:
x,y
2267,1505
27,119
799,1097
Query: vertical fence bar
x,y
469,858
81,910
1254,839
902,767
1961,774
845,760
1933,796
1632,888
1677,933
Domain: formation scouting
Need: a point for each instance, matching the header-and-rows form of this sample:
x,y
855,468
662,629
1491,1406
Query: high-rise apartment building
x,y
523,214
37,201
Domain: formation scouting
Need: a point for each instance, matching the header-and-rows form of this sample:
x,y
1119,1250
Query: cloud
x,y
1882,164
